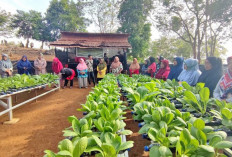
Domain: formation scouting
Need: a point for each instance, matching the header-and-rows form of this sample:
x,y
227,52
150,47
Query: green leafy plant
x,y
69,149
109,145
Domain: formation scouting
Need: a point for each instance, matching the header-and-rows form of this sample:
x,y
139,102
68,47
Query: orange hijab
x,y
135,65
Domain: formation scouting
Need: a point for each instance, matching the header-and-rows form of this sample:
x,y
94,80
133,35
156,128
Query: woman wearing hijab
x,y
145,67
56,66
82,71
67,75
40,65
24,66
223,90
212,73
191,73
152,68
6,67
134,67
160,58
163,71
176,69
116,67
101,70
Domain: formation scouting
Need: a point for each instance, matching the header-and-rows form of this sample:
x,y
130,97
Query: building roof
x,y
92,40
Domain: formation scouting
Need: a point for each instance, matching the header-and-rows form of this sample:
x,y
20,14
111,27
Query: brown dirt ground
x,y
41,123
139,142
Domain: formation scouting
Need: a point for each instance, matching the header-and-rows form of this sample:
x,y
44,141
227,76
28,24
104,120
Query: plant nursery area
x,y
122,116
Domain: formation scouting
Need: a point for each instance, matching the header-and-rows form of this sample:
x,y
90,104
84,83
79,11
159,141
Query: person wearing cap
x,y
67,75
6,67
40,65
223,90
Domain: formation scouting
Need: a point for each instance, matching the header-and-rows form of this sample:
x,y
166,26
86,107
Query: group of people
x,y
85,71
219,83
23,65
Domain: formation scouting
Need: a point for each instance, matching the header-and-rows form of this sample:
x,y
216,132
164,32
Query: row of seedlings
x,y
18,82
179,120
101,131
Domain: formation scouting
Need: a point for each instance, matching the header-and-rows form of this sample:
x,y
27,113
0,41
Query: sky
x,y
42,5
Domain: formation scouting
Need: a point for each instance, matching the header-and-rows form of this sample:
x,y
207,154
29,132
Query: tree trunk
x,y
206,25
41,47
27,44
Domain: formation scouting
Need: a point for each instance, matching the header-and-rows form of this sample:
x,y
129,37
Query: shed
x,y
76,44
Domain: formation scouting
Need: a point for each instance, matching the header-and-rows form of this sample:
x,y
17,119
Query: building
x,y
73,45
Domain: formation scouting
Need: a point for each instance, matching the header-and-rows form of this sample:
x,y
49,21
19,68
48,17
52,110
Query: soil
x,y
139,142
41,123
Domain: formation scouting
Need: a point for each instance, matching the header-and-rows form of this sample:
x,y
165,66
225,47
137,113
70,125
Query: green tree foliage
x,y
26,24
103,14
4,23
170,47
65,15
195,21
133,16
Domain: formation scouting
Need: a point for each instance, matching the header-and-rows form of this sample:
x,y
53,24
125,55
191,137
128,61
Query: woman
x,y
24,66
176,69
67,75
191,72
40,65
101,70
6,67
134,67
163,71
145,67
160,58
223,90
152,68
116,67
82,71
56,66
212,73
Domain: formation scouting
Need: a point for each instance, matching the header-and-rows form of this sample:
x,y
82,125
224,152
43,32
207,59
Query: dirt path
x,y
139,142
41,123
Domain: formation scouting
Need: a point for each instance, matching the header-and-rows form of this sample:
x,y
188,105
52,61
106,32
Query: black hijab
x,y
212,76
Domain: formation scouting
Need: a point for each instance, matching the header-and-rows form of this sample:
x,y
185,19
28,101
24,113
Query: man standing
x,y
89,63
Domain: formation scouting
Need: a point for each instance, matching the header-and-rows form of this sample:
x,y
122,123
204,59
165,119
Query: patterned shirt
x,y
89,64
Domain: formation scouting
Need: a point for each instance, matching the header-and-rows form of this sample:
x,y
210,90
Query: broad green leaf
x,y
164,151
223,145
64,153
126,132
97,140
201,137
199,124
227,113
69,133
80,147
204,94
215,140
205,150
152,133
126,145
108,150
154,152
65,145
49,153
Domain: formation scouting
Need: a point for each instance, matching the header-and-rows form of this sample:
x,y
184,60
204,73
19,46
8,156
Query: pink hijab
x,y
82,66
56,65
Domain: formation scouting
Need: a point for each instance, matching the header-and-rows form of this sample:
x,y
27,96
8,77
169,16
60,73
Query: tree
x,y
189,20
4,23
170,47
26,23
104,14
133,16
65,15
